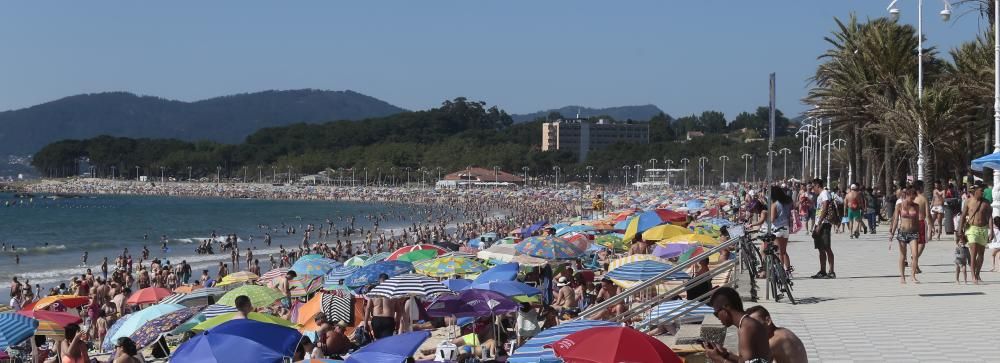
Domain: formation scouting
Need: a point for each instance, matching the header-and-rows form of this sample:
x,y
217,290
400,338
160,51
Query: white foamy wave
x,y
34,249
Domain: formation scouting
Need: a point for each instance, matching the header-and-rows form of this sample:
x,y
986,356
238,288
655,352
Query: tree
x,y
712,121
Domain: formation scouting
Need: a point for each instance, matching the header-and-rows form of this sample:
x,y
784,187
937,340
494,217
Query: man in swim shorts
x,y
974,222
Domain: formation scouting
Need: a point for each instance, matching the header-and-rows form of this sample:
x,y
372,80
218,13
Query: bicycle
x,y
751,260
778,281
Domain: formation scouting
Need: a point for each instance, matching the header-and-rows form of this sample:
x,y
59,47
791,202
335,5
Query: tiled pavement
x,y
866,315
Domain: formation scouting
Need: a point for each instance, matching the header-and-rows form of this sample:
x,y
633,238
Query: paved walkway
x,y
866,315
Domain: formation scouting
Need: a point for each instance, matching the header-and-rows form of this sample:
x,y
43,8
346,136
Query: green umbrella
x,y
265,318
260,296
357,261
418,255
611,241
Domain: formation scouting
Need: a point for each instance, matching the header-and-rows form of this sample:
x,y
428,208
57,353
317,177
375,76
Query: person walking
x,y
855,204
904,228
974,228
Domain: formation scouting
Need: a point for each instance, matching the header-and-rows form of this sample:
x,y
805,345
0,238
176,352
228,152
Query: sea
x,y
50,233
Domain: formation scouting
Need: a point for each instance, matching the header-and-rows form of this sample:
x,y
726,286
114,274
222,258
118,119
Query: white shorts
x,y
937,209
782,233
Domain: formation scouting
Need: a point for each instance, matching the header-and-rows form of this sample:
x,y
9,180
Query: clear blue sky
x,y
683,56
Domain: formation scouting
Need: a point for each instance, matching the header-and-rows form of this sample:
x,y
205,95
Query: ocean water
x,y
51,234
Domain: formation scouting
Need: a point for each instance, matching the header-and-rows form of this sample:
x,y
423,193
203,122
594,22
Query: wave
x,y
34,250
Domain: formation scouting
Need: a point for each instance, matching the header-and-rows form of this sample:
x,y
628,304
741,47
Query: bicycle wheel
x,y
772,278
783,283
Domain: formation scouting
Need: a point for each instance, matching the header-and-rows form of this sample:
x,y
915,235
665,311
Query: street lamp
x,y
525,170
260,173
996,103
784,169
653,162
244,174
746,165
289,174
945,15
557,169
625,175
161,174
496,175
589,170
838,143
218,174
685,161
669,164
723,158
701,169
113,170
137,173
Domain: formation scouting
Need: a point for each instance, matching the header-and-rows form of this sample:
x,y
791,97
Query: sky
x,y
524,56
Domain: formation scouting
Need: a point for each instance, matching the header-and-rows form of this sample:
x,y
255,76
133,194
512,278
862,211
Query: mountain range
x,y
226,119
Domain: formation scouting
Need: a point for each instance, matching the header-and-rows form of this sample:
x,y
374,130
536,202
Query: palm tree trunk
x,y
887,165
852,150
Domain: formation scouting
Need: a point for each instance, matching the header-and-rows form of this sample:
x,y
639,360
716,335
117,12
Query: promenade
x,y
866,315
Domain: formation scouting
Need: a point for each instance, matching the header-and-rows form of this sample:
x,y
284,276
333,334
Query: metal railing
x,y
674,292
642,286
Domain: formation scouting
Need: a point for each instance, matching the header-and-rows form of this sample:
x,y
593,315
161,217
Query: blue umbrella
x,y
15,328
457,284
139,318
695,204
533,228
317,266
571,229
643,270
369,274
991,161
621,226
508,288
472,303
534,349
393,349
108,344
669,310
484,237
504,272
332,279
240,340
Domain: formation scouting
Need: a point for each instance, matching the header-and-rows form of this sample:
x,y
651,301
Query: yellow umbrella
x,y
662,232
633,258
690,238
264,318
49,328
237,277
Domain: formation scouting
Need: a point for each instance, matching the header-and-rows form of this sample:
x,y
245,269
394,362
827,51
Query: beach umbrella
x,y
332,279
458,254
15,328
50,329
148,295
695,204
650,219
418,247
187,289
449,266
58,317
633,258
313,266
214,310
304,285
151,330
548,247
504,272
579,239
457,284
706,228
376,258
471,303
393,349
197,298
623,224
672,309
356,261
260,296
335,307
261,317
991,161
612,344
408,285
69,301
240,340
662,232
508,288
311,256
690,253
503,253
139,318
269,276
418,255
689,239
670,250
612,241
534,350
237,277
642,271
572,229
107,344
369,274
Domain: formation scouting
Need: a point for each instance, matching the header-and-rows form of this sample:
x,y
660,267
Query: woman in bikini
x,y
904,228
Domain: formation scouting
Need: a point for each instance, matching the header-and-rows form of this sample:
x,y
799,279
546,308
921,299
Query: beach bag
x,y
361,336
796,224
835,213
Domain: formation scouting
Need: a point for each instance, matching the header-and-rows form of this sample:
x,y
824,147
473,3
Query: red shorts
x,y
922,233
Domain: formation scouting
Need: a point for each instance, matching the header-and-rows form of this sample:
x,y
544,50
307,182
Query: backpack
x,y
361,336
835,212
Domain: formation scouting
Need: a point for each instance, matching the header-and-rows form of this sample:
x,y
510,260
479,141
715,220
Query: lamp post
x,y
218,174
589,170
524,170
996,102
723,158
136,173
701,169
407,175
365,184
653,163
260,173
669,164
289,174
945,15
274,174
496,175
685,161
804,131
625,175
557,169
161,174
746,165
784,163
113,170
638,173
244,175
838,143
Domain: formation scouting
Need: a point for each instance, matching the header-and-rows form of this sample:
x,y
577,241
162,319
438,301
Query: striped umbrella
x,y
642,271
672,309
15,328
151,330
312,256
458,254
237,277
579,239
356,261
407,249
408,285
313,266
449,266
214,310
332,279
548,247
260,296
376,258
139,318
691,238
534,350
338,308
195,298
633,258
269,276
305,285
58,317
50,329
370,274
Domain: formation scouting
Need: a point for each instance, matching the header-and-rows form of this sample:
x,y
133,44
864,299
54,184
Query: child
x,y
962,262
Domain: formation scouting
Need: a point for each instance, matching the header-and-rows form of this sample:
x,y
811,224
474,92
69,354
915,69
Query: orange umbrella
x,y
69,301
187,289
148,295
307,311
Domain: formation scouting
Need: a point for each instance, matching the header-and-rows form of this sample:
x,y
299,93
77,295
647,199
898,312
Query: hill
x,y
227,119
637,113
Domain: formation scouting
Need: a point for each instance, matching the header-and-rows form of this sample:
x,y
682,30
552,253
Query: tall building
x,y
581,136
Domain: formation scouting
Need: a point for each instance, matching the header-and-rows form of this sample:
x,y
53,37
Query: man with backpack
x,y
827,213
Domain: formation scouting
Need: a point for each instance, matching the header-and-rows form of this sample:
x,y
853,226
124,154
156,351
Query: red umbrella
x,y
148,295
611,345
402,251
57,317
